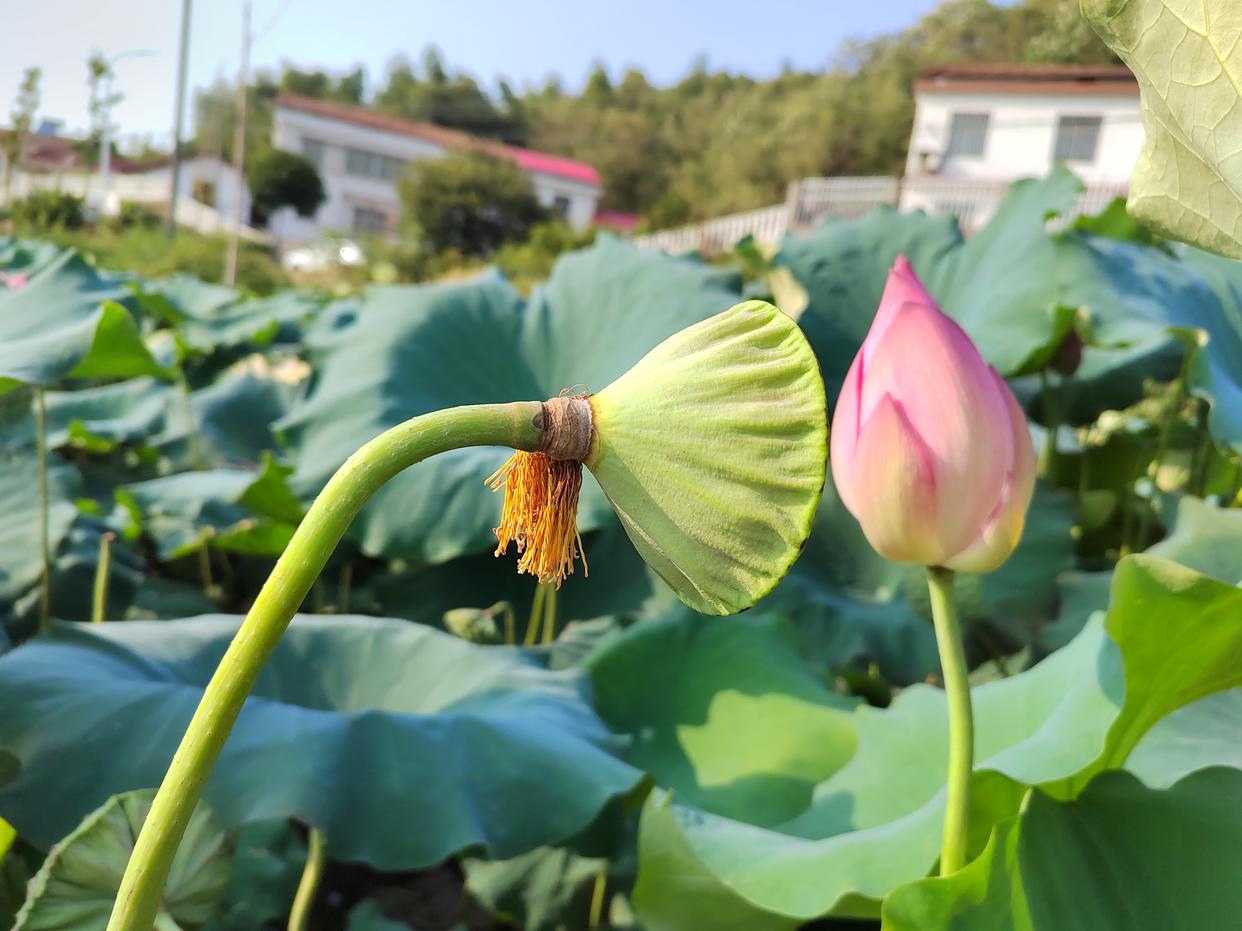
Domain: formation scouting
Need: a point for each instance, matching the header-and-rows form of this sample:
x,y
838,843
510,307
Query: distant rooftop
x,y
1029,79
526,159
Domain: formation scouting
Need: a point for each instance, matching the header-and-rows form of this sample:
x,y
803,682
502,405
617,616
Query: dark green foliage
x,y
283,179
469,202
47,209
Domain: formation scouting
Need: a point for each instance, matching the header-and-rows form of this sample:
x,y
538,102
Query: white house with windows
x,y
360,155
976,126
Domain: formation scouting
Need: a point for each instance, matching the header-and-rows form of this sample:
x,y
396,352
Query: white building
x,y
360,155
1003,122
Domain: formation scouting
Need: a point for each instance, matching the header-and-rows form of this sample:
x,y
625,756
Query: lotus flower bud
x,y
930,450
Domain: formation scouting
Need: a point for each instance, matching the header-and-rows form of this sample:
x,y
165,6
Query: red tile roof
x,y
527,159
1030,79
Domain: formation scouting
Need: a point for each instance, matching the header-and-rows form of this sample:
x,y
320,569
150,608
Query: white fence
x,y
811,200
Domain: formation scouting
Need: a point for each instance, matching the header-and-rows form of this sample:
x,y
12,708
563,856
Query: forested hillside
x,y
714,142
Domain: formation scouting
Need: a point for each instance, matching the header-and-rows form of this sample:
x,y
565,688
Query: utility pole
x,y
183,57
239,148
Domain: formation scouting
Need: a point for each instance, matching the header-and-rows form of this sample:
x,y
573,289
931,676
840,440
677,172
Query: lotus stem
x,y
99,598
196,449
204,569
1170,414
509,619
961,723
342,594
518,425
536,616
549,614
308,885
45,546
596,913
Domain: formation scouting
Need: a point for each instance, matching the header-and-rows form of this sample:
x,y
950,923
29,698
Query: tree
x,y
470,202
283,179
103,98
24,108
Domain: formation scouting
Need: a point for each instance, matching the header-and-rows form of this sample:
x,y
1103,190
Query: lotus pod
x,y
713,449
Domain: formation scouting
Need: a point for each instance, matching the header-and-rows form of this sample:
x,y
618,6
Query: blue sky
x,y
524,41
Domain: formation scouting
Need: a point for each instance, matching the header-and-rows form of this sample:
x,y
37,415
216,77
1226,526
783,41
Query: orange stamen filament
x,y
540,514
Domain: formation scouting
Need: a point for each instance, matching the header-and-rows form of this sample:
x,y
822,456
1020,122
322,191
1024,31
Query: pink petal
x,y
1002,530
902,287
843,438
895,488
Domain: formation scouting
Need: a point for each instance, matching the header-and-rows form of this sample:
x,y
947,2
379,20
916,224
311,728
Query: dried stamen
x,y
540,514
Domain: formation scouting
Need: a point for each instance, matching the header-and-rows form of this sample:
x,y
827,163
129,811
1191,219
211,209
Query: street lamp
x,y
104,102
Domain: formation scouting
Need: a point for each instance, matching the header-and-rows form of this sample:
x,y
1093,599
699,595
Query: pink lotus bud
x,y
930,450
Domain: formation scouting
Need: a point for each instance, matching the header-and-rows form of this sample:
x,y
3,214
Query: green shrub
x,y
134,215
525,263
48,210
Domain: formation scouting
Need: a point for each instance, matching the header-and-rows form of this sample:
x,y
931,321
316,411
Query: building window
x,y
312,151
968,132
365,164
369,220
560,207
1077,138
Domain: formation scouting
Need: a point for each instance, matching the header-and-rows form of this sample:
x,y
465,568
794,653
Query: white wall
x,y
1022,132
148,187
344,192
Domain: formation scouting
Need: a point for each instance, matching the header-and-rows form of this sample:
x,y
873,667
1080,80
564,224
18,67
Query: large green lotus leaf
x,y
210,317
27,256
232,417
1216,369
1209,731
66,322
1013,286
713,449
78,883
604,307
545,890
239,509
401,743
852,605
843,265
1187,57
268,859
20,563
408,350
875,823
725,713
1121,855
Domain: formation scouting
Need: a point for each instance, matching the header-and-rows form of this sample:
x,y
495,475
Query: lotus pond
x,y
439,741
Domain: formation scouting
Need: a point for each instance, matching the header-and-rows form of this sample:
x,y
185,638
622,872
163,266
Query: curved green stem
x,y
342,593
308,885
961,723
99,597
549,613
45,590
509,619
596,914
516,425
536,616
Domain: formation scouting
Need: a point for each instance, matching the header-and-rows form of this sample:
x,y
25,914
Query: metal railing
x,y
811,200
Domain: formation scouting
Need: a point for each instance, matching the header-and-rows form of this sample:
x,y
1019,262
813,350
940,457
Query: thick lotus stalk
x,y
711,449
932,454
